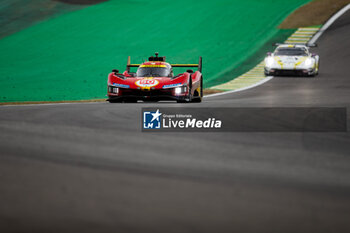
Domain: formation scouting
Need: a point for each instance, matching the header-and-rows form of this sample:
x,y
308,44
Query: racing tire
x,y
314,73
198,99
267,73
318,66
188,99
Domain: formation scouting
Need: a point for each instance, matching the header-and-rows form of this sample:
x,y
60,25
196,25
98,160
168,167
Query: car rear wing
x,y
306,44
129,65
199,65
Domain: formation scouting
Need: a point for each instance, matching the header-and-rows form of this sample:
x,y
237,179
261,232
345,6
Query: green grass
x,y
69,57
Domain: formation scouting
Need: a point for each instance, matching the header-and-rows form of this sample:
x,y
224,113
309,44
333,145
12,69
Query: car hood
x,y
290,59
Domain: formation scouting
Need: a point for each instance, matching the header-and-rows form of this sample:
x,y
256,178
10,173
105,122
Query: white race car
x,y
292,59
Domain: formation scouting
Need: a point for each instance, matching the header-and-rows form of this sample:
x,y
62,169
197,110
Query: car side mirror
x,y
189,71
269,54
115,71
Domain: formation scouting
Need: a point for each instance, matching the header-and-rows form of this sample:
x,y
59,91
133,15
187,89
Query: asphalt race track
x,y
88,168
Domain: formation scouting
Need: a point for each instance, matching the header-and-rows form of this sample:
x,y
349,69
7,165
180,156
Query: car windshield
x,y
291,52
153,72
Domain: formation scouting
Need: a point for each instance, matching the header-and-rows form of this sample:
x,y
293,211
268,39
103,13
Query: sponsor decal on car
x,y
172,85
121,85
147,82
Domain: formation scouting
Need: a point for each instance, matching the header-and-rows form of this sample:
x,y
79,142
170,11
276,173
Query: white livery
x,y
292,59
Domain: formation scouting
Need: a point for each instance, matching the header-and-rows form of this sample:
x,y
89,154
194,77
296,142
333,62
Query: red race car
x,y
154,80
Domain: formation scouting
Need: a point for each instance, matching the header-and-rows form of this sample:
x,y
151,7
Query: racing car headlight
x,y
269,61
308,62
114,90
179,90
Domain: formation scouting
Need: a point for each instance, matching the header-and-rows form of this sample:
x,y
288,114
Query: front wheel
x,y
318,66
198,98
313,74
266,73
187,99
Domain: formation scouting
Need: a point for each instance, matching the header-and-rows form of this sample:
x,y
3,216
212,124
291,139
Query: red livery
x,y
154,80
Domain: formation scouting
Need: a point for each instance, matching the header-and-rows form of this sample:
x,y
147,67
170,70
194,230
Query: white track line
x,y
241,89
329,23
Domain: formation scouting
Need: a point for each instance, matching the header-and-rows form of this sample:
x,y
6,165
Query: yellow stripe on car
x,y
299,62
162,66
278,60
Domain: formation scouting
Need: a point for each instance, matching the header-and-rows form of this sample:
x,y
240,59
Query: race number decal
x,y
147,82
